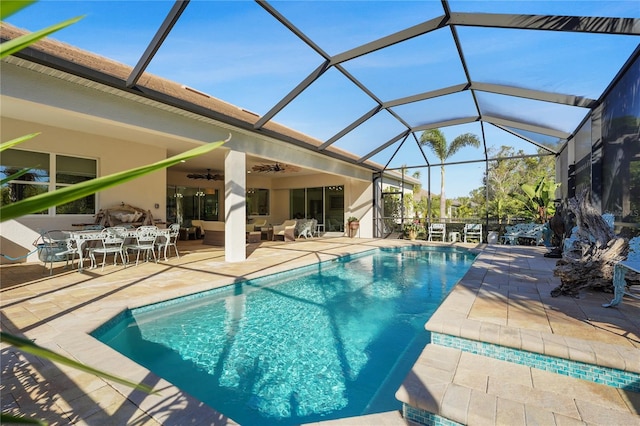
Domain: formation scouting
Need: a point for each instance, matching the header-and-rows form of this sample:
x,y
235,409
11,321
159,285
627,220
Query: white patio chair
x,y
170,239
631,263
473,231
145,242
438,230
307,229
110,243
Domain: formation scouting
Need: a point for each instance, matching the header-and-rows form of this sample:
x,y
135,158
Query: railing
x,y
393,227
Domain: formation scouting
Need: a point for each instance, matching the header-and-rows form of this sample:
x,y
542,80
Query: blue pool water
x,y
323,342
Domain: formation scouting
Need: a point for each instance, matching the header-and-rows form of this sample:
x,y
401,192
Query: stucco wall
x,y
112,155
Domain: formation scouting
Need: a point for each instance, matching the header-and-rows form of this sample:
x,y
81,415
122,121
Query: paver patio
x,y
503,298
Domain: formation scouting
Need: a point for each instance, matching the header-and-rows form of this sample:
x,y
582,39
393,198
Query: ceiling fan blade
x,y
290,168
276,167
196,176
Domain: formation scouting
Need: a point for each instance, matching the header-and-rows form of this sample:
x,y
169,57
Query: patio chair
x,y
473,231
437,230
286,230
256,225
170,240
111,242
620,269
145,242
54,246
307,228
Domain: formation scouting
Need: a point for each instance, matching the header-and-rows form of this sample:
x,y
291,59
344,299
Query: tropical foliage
x,y
435,139
538,199
504,180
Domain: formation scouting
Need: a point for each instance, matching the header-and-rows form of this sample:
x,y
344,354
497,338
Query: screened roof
x,y
369,76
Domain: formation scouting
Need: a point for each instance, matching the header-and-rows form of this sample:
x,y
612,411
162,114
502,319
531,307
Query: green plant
x,y
538,199
414,226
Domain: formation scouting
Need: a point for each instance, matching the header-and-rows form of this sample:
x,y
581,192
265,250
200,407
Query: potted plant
x,y
354,224
412,229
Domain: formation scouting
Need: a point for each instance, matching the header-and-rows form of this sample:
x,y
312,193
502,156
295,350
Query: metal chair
x,y
145,243
170,240
110,243
631,263
52,246
307,228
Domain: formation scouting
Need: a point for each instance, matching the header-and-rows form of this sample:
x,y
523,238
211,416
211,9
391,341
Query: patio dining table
x,y
82,238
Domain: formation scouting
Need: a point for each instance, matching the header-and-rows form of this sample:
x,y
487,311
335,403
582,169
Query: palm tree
x,y
435,139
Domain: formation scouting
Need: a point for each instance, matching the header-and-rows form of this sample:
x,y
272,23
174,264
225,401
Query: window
x,y
257,202
46,172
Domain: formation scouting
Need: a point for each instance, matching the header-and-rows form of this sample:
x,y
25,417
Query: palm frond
x,y
30,347
16,141
10,7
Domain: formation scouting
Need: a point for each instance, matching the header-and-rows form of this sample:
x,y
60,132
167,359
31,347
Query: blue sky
x,y
237,52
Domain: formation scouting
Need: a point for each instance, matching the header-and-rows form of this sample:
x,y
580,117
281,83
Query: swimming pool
x,y
326,341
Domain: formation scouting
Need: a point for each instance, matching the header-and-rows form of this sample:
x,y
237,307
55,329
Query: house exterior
x,y
92,125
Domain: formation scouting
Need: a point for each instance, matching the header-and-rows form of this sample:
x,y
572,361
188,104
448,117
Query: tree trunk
x,y
589,262
443,200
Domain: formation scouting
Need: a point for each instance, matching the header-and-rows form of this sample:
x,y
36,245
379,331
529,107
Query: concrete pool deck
x,y
503,300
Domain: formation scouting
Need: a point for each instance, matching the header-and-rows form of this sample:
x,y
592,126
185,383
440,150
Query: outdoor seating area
x,y
117,241
523,233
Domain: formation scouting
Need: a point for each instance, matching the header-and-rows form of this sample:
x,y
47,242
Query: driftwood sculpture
x,y
590,254
124,214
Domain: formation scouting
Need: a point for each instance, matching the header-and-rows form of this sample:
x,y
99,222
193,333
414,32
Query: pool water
x,y
323,342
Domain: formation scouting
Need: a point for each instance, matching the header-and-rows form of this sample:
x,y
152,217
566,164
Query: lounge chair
x,y
213,233
256,225
438,230
286,230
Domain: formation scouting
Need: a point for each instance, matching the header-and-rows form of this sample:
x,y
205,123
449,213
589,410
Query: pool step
x,y
477,390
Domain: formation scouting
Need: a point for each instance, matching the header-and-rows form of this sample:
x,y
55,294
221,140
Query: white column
x,y
235,210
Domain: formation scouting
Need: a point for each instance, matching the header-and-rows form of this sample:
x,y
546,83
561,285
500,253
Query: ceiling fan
x,y
207,176
275,167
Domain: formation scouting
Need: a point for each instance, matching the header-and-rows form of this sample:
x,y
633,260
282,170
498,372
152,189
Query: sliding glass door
x,y
325,204
185,204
